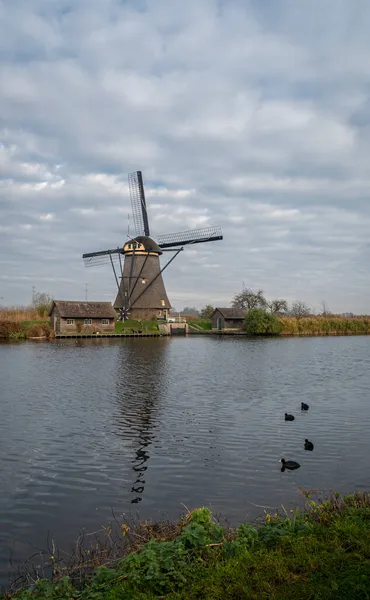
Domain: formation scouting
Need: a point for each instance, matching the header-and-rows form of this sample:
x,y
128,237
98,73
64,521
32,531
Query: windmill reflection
x,y
141,383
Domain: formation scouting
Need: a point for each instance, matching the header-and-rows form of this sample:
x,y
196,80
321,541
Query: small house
x,y
82,317
228,318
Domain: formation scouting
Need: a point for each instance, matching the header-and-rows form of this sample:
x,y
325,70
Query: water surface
x,y
87,426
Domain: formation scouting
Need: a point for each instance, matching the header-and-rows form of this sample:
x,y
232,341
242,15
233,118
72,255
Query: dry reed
x,y
17,314
329,325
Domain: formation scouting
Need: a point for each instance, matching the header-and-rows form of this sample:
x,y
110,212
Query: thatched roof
x,y
231,313
84,310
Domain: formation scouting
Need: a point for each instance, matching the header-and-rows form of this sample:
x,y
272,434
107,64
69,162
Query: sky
x,y
253,115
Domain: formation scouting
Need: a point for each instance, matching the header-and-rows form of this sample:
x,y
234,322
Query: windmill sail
x,y
136,264
193,236
139,212
93,259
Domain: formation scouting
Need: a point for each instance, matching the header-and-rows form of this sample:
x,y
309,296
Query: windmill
x,y
141,292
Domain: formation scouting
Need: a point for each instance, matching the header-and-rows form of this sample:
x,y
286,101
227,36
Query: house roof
x,y
231,313
92,310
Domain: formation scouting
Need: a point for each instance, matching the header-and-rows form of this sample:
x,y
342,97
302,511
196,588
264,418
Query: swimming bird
x,y
289,464
304,406
308,445
289,417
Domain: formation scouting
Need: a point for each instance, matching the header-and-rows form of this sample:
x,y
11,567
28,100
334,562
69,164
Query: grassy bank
x,y
322,552
131,325
201,324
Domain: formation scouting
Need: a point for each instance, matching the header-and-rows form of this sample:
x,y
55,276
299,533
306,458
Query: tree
x,y
325,309
190,310
299,309
247,299
42,303
278,306
260,322
206,312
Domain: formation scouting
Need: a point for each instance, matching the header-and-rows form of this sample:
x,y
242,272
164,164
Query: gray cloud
x,y
253,115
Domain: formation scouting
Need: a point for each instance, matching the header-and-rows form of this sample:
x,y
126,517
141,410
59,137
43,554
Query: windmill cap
x,y
149,244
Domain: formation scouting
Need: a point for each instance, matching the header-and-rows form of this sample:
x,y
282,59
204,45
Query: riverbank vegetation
x,y
130,326
320,552
202,325
19,323
321,325
260,322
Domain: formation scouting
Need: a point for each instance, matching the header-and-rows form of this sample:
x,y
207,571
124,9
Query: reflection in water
x,y
141,384
81,421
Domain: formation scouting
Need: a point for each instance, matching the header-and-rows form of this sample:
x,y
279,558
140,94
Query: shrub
x,y
260,322
11,330
38,330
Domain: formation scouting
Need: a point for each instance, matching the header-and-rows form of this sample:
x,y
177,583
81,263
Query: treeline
x,y
278,317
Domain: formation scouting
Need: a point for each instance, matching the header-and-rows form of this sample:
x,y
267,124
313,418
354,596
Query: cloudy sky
x,y
250,114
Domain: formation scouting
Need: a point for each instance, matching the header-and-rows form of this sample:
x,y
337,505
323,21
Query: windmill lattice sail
x,y
141,290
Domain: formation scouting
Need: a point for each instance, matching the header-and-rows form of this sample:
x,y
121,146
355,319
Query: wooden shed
x,y
82,317
228,318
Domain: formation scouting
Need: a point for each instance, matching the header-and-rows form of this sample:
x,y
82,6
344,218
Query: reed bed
x,y
320,325
17,314
22,322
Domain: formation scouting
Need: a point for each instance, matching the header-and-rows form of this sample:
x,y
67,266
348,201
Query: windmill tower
x,y
141,293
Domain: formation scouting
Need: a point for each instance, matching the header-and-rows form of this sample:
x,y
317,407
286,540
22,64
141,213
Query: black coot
x,y
289,464
289,417
304,406
308,445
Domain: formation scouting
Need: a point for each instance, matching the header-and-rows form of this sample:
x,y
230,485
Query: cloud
x,y
251,115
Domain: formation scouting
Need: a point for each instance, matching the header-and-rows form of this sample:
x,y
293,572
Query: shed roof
x,y
231,313
92,310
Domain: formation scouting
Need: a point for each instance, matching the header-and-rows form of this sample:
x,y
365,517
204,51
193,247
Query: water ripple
x,y
150,424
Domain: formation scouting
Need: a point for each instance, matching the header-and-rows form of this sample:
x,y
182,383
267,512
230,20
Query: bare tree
x,y
248,299
278,306
299,309
325,309
42,302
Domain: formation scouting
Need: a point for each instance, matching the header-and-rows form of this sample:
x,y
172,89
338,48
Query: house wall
x,y
226,323
234,323
55,320
78,326
217,315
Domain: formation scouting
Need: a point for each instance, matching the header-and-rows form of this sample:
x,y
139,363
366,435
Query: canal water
x,y
149,425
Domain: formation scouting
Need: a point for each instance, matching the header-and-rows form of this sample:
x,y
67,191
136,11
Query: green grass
x,y
323,553
128,326
206,325
27,324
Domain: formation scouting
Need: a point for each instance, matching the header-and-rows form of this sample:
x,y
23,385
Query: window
x,y
70,321
105,321
88,321
163,303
